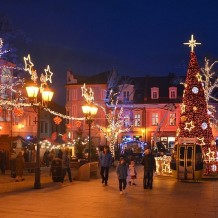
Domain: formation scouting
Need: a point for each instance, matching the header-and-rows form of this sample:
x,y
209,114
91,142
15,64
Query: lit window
x,y
137,120
172,92
126,95
154,119
172,119
154,93
126,121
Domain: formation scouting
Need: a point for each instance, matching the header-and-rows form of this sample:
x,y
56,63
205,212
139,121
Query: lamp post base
x,y
37,184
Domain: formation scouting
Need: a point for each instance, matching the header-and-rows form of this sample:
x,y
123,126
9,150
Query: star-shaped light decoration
x,y
199,77
182,107
189,126
201,140
28,64
211,155
177,132
192,43
88,94
48,74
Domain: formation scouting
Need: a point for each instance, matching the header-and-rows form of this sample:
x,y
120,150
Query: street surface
x,y
168,198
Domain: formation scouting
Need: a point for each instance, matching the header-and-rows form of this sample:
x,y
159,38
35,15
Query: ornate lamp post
x,y
89,112
46,96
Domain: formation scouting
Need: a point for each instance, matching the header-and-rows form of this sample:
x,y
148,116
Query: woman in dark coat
x,y
149,167
19,167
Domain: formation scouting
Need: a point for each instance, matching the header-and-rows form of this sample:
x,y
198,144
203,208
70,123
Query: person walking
x,y
19,167
3,161
121,171
105,159
132,173
149,167
66,165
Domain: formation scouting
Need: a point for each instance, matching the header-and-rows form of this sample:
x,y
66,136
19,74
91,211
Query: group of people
x,y
122,169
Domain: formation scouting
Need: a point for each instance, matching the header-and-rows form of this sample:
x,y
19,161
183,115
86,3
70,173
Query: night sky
x,y
135,37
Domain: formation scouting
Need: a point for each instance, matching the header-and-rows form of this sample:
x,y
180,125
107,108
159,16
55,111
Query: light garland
x,y
62,115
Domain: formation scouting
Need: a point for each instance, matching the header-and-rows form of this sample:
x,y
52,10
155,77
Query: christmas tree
x,y
194,118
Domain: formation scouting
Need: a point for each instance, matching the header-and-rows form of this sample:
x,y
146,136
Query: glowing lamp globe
x,y
47,94
32,90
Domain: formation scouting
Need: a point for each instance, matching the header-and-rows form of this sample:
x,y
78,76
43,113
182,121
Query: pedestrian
x,y
19,167
149,167
3,161
121,171
66,165
105,159
132,173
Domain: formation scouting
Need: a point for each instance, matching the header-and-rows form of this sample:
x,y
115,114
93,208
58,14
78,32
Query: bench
x,y
87,171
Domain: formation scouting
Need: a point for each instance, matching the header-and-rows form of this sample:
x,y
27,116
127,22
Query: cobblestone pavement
x,y
169,198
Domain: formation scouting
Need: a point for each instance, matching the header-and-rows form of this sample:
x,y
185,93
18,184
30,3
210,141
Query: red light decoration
x,y
57,120
78,124
18,112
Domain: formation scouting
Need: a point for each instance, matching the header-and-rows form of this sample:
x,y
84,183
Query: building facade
x,y
151,107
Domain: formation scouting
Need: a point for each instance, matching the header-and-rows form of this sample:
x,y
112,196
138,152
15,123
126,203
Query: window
x,y
103,94
172,119
74,94
67,120
126,95
154,119
46,127
126,121
137,120
172,92
74,110
154,93
68,95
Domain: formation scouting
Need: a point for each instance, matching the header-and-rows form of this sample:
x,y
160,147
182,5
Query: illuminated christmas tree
x,y
194,118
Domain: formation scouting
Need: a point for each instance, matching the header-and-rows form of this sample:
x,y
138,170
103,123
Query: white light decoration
x,y
195,90
88,94
214,168
48,74
189,126
28,64
204,125
192,43
210,155
182,106
163,165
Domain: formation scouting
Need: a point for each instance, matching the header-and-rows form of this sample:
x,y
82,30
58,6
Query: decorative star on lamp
x,y
34,76
28,64
189,126
192,43
48,74
88,94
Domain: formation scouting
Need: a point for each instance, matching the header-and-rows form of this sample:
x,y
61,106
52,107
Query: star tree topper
x,y
192,43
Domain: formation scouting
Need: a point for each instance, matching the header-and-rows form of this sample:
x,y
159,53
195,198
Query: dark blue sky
x,y
136,37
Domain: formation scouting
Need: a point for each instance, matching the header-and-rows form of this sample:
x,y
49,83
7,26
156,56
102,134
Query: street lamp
x,y
89,112
32,92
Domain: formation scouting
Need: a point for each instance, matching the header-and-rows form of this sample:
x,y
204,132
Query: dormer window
x,y
154,93
172,92
126,95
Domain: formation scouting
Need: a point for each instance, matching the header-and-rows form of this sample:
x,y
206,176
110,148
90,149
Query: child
x,y
132,173
122,175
